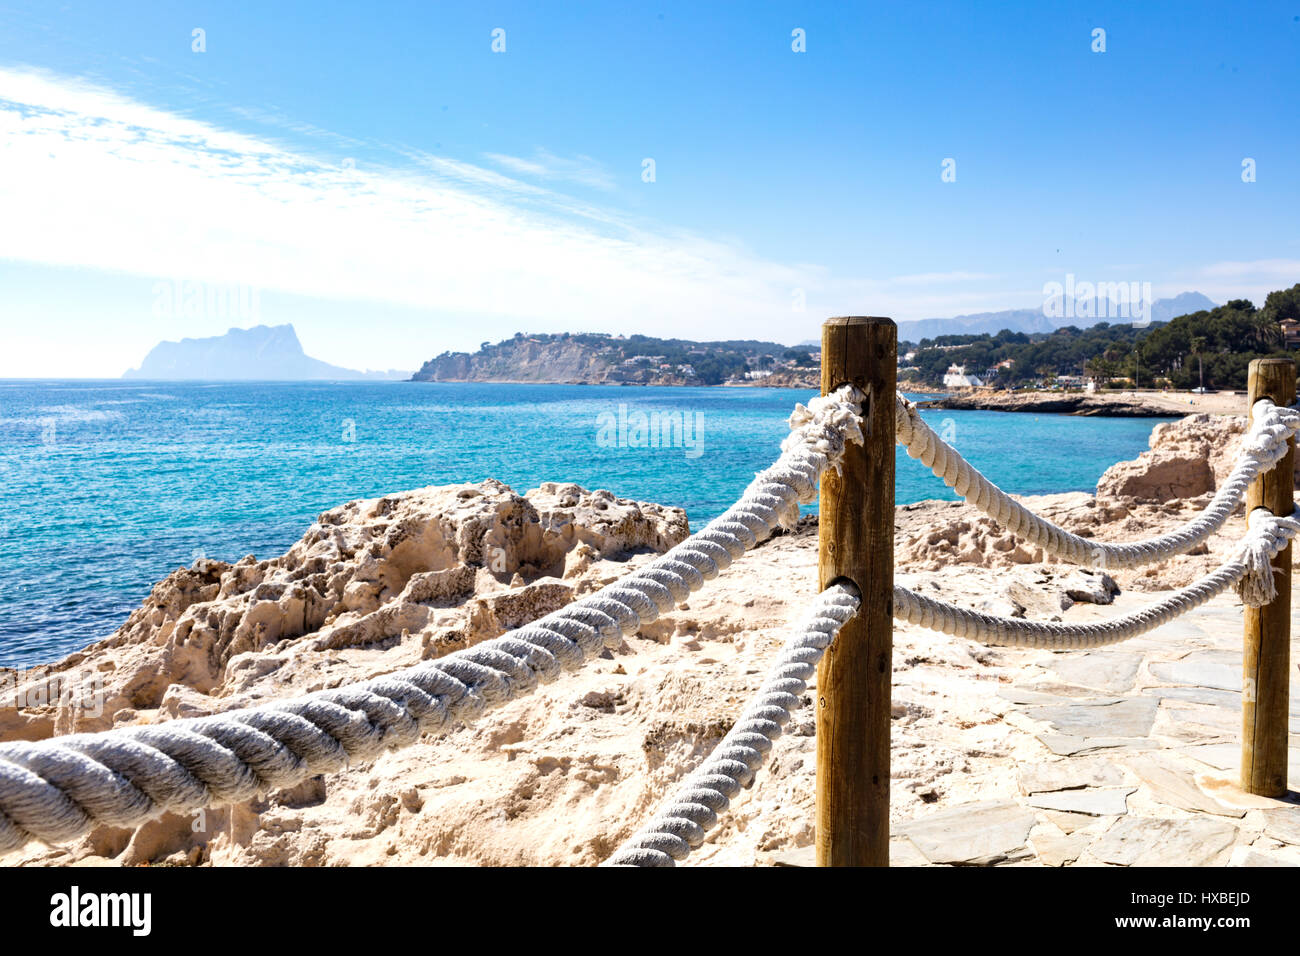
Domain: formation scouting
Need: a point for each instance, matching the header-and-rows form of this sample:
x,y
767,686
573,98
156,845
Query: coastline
x,y
784,382
1127,404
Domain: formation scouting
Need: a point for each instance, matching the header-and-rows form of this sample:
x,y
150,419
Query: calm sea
x,y
106,487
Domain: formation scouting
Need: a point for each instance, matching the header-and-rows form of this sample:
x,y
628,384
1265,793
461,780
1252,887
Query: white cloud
x,y
544,165
93,179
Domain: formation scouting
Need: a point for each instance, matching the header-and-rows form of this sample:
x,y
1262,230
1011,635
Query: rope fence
x,y
1264,446
59,789
693,810
1267,538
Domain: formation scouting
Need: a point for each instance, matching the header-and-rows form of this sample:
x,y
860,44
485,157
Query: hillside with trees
x,y
597,358
1217,343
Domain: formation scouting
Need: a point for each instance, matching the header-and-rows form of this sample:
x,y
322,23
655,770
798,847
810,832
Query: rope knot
x,y
827,424
1270,428
1266,536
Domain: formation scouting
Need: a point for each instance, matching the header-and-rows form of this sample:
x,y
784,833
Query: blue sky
x,y
378,176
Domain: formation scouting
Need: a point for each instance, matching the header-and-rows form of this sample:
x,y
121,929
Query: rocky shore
x,y
1114,404
1112,757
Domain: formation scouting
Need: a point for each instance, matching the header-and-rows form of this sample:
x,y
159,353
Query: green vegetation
x,y
712,362
1217,344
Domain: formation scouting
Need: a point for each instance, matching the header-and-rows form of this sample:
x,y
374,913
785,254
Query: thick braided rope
x,y
1250,569
1264,446
693,809
58,789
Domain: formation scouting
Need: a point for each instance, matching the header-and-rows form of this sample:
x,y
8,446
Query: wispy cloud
x,y
94,179
544,165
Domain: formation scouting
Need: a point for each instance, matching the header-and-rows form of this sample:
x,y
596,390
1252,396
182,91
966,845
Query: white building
x,y
956,377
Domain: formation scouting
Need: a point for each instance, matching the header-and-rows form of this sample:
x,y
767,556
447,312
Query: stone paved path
x,y
1136,764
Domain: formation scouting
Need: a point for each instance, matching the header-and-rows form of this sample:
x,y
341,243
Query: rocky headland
x,y
1134,404
599,359
999,755
261,353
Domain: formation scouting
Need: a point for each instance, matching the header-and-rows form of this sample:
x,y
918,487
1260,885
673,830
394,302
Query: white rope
x,y
693,809
1250,569
57,789
1264,445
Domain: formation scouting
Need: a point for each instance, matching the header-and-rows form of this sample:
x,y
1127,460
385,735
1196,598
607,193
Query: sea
x,y
108,486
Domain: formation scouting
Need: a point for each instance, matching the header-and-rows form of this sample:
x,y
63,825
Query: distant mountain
x,y
1017,320
1044,319
1185,303
262,353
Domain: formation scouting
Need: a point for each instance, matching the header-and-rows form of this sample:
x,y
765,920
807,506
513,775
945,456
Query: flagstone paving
x,y
974,834
1142,841
1070,775
1283,824
1092,802
1139,761
1138,749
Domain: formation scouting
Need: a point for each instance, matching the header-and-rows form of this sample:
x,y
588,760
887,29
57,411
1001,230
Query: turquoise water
x,y
109,486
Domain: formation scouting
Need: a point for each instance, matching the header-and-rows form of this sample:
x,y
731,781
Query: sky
x,y
399,179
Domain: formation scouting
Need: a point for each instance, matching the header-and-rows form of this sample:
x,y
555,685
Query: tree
x,y
1283,304
1101,369
1198,346
1224,339
1267,331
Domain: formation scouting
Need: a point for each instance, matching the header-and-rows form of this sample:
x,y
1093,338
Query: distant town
x,y
1208,349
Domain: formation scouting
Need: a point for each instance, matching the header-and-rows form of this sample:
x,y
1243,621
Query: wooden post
x,y
856,538
1266,655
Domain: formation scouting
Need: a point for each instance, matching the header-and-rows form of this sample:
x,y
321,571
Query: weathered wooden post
x,y
1266,653
856,538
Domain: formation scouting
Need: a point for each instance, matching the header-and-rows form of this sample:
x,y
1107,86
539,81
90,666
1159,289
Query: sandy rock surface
x,y
373,585
1187,458
1106,403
